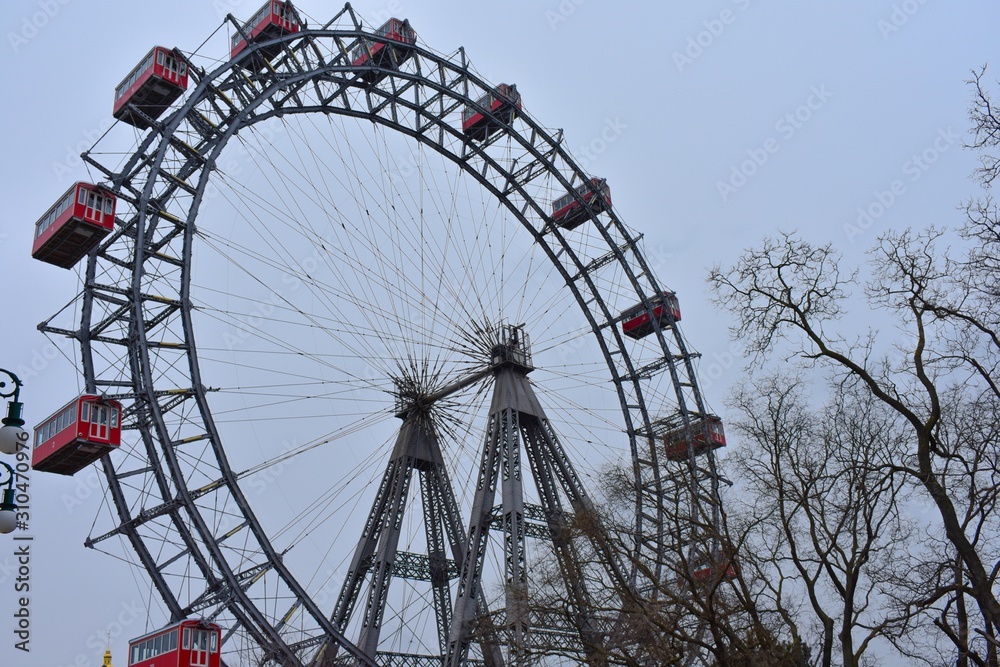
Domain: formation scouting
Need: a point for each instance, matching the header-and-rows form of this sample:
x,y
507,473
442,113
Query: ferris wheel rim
x,y
199,390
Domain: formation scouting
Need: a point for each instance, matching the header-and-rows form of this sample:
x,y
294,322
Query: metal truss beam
x,y
164,182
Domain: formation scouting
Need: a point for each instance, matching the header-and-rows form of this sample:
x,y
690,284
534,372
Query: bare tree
x,y
985,128
681,615
942,381
823,546
823,485
790,291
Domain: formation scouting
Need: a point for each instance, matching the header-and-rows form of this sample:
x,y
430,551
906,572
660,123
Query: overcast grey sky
x,y
715,123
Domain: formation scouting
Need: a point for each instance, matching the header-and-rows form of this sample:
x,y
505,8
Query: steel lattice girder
x,y
165,164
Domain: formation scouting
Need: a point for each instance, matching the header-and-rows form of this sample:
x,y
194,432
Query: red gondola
x,y
74,225
156,83
502,104
711,571
399,37
272,20
76,436
637,321
676,444
184,644
568,212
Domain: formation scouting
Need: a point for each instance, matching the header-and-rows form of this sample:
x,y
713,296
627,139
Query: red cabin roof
x,y
568,212
82,431
500,104
74,225
675,442
399,37
156,82
271,21
188,643
637,321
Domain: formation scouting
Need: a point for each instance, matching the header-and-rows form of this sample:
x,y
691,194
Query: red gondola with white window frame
x,y
500,104
712,571
271,21
568,212
156,82
675,442
637,321
398,37
188,643
74,225
84,430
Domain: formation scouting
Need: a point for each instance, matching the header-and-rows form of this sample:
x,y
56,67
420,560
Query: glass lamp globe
x,y
8,511
8,521
11,436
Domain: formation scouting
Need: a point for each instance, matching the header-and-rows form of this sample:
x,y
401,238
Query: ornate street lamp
x,y
12,434
8,508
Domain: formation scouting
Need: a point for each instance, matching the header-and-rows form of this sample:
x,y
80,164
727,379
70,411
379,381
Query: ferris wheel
x,y
376,341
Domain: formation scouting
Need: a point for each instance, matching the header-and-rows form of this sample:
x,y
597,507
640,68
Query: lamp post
x,y
8,508
12,434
